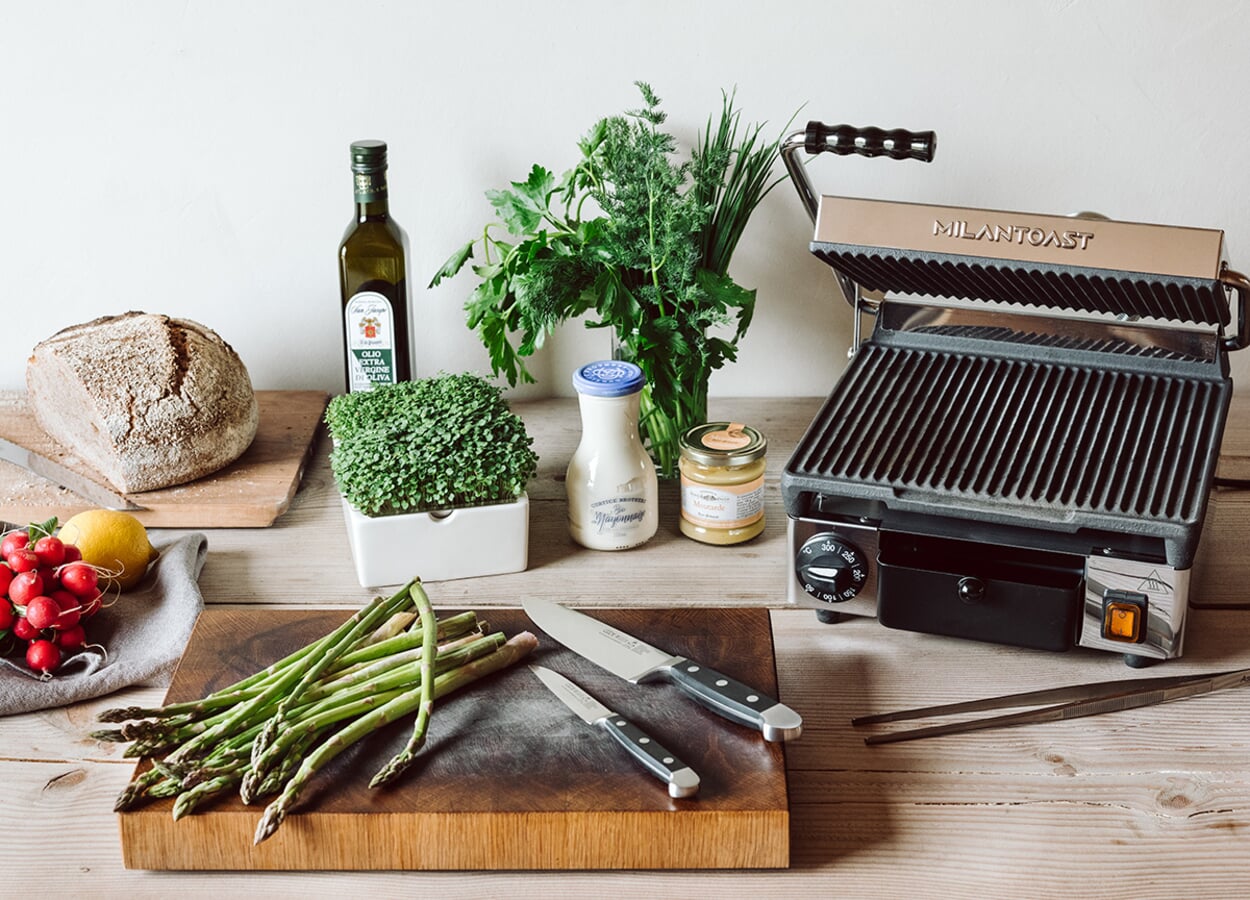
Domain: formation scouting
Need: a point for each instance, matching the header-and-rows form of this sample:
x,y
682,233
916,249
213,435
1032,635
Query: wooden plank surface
x,y
1141,805
509,778
251,492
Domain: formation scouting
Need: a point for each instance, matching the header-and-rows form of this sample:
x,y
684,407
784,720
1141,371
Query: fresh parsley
x,y
640,239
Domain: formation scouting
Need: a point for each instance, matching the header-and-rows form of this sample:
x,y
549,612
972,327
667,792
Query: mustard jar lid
x,y
723,444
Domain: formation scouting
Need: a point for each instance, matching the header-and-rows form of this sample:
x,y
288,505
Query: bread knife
x,y
682,780
52,470
625,656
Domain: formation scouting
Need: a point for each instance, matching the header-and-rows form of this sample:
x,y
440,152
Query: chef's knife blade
x,y
682,780
627,657
65,477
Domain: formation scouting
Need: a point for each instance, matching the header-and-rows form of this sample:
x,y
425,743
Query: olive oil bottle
x,y
372,280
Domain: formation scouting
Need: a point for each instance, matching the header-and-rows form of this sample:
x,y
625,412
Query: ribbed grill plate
x,y
963,429
1044,285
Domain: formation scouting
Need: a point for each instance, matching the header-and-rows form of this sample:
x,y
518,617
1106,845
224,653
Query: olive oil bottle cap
x,y
368,157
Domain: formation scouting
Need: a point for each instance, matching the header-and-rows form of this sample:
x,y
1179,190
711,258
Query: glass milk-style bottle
x,y
611,482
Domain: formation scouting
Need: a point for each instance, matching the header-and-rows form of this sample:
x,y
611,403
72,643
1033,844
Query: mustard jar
x,y
722,482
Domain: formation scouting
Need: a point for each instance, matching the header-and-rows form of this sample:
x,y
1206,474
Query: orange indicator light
x,y
1122,622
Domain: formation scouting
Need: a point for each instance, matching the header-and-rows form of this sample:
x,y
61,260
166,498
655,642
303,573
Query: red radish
x,y
69,616
91,605
72,553
80,579
24,630
22,560
50,550
6,575
7,615
26,586
72,639
43,656
42,612
65,599
14,540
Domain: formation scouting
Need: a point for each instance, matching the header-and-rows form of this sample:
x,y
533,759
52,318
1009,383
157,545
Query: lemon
x,y
112,540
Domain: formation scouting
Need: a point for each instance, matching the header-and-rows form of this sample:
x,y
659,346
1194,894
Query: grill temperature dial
x,y
830,568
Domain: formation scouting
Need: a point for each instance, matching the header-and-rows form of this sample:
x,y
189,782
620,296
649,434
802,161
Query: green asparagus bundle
x,y
270,733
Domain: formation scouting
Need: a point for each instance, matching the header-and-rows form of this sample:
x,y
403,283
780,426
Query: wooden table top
x,y
1146,803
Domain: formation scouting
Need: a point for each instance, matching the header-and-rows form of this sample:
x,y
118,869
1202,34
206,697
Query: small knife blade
x,y
48,468
682,780
636,661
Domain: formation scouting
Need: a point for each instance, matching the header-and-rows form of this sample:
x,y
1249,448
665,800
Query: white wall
x,y
191,158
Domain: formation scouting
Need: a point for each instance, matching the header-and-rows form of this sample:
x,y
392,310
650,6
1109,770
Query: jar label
x,y
370,329
731,438
723,506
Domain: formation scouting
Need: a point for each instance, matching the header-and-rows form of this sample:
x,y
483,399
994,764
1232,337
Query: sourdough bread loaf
x,y
147,400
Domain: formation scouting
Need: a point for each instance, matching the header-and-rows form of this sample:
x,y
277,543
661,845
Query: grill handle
x,y
845,140
1241,285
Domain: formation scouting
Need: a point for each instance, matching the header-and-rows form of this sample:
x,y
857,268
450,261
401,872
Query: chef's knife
x,y
682,780
67,478
627,657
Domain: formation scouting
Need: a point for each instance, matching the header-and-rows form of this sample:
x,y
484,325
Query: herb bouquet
x,y
639,239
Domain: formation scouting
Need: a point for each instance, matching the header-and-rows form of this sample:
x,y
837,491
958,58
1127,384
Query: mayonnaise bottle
x,y
612,488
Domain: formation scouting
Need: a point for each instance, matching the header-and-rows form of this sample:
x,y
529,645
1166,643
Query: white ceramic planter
x,y
460,543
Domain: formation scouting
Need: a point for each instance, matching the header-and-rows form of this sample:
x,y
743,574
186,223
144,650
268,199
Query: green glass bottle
x,y
372,280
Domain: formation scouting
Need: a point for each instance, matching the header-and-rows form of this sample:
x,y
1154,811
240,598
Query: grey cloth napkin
x,y
143,634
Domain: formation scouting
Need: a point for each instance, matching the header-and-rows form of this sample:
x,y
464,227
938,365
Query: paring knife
x,y
682,780
627,657
53,471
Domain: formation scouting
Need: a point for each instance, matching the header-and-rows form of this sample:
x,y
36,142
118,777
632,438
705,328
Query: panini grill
x,y
1022,449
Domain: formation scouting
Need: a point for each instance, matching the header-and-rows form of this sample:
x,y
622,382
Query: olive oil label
x,y
370,341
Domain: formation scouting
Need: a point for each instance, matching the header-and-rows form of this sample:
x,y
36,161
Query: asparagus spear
x,y
513,650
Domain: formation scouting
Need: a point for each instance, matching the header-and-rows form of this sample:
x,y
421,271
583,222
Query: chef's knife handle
x,y
682,780
737,701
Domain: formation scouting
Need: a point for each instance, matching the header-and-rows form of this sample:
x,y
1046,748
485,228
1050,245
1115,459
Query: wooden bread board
x,y
253,491
508,777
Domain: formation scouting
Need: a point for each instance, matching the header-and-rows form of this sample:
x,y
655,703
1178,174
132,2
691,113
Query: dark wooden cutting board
x,y
509,778
252,492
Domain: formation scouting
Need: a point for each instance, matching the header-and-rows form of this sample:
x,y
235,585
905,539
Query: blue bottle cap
x,y
608,378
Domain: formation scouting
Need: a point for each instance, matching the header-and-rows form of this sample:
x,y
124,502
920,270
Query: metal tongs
x,y
1070,702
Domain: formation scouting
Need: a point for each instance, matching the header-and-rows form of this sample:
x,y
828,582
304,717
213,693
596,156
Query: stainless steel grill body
x,y
1022,449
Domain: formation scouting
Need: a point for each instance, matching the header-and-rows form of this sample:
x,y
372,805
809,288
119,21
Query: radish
x,y
80,579
72,553
22,560
6,576
70,614
91,605
7,615
50,550
26,586
42,612
14,540
43,656
24,630
72,639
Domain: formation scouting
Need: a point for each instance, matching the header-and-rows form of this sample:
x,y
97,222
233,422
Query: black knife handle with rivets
x,y
682,780
736,701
